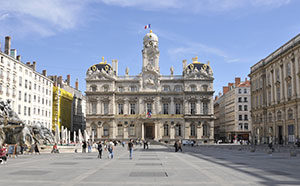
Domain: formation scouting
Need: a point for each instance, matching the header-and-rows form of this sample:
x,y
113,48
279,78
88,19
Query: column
x,y
211,132
199,131
112,129
125,132
143,129
156,131
172,131
186,130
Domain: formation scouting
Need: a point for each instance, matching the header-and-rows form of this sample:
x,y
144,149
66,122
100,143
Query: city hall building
x,y
150,105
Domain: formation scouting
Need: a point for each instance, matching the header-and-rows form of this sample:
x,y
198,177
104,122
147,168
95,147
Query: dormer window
x,y
105,88
133,89
193,88
204,88
93,88
166,88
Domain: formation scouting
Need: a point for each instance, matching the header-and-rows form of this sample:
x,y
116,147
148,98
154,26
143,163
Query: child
x,y
3,157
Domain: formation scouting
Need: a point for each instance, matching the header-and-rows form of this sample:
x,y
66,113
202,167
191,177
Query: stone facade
x,y
30,92
275,92
150,105
232,111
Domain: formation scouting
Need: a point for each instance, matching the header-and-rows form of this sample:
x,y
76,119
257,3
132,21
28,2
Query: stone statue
x,y
127,71
172,70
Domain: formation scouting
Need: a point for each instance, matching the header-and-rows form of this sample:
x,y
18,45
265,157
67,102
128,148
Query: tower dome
x,y
150,37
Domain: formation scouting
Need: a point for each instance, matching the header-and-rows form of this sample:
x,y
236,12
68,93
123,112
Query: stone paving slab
x,y
156,166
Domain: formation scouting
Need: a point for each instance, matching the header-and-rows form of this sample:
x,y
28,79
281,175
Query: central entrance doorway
x,y
149,131
280,137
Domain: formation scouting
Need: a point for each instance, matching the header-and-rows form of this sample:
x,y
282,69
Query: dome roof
x,y
106,67
150,37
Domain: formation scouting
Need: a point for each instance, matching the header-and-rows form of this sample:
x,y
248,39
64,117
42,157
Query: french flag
x,y
148,26
149,114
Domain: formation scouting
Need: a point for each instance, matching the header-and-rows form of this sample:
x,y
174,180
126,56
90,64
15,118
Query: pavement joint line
x,y
81,177
216,179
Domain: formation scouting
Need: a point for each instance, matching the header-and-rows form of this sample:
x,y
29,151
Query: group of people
x,y
178,146
109,146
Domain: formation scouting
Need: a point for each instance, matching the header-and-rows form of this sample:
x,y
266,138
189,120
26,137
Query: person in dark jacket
x,y
176,146
84,147
130,148
99,147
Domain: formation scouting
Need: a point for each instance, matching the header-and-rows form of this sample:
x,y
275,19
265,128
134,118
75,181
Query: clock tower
x,y
150,52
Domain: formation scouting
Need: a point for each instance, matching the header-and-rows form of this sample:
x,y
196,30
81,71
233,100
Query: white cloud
x,y
197,6
41,16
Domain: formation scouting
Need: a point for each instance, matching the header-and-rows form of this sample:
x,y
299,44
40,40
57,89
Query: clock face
x,y
150,43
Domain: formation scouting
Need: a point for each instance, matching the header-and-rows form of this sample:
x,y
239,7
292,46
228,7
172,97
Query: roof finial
x,y
150,31
195,59
102,58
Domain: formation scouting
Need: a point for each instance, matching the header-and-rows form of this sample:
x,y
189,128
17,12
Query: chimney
x,y
116,66
59,81
113,64
7,45
216,98
45,73
68,79
76,84
237,81
246,79
230,85
225,90
183,64
33,65
55,80
19,57
28,63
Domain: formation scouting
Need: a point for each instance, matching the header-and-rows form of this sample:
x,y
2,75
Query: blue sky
x,y
68,36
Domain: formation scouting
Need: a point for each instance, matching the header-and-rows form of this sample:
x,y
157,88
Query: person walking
x,y
176,146
111,149
179,146
130,148
99,147
84,147
36,148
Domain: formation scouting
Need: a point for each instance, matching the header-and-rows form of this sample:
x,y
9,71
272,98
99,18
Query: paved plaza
x,y
157,166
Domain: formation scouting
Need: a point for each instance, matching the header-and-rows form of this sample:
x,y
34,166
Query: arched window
x,y
205,107
193,129
178,130
106,130
166,88
178,88
166,129
94,130
279,116
270,117
120,130
290,114
131,130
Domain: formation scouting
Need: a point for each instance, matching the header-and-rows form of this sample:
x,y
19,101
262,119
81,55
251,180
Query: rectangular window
x,y
240,117
245,107
25,110
120,130
246,117
240,126
120,108
278,93
178,108
149,107
240,107
105,105
26,82
193,108
29,85
25,97
165,108
239,99
29,98
28,111
94,107
289,90
205,108
246,126
240,91
132,108
20,95
245,99
20,81
19,109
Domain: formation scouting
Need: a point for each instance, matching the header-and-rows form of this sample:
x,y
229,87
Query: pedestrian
x,y
111,149
123,143
3,154
179,146
176,146
36,148
130,148
54,148
99,147
84,147
145,143
89,147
